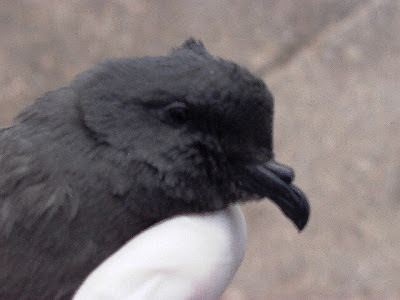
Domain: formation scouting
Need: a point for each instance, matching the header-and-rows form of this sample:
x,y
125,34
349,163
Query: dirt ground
x,y
334,68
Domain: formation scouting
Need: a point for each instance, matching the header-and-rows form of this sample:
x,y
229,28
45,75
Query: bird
x,y
127,145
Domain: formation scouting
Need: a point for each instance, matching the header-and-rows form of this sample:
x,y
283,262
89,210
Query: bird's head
x,y
197,131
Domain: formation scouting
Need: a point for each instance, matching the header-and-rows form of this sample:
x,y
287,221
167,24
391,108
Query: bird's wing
x,y
27,191
186,257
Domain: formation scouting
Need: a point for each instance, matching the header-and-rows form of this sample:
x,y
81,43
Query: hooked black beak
x,y
274,181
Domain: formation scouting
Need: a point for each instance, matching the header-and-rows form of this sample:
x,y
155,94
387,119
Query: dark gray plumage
x,y
129,143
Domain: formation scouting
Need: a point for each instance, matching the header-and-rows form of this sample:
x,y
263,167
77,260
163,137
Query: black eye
x,y
176,114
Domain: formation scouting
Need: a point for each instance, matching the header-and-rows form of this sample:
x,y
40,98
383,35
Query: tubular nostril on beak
x,y
285,173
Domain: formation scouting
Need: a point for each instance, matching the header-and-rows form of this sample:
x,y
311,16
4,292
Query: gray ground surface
x,y
334,68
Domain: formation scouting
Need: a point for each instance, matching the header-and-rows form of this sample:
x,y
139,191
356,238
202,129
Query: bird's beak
x,y
274,181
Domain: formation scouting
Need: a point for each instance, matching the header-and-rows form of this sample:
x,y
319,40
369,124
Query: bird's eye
x,y
176,114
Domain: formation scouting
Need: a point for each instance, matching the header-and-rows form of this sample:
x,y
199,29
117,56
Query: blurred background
x,y
334,69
